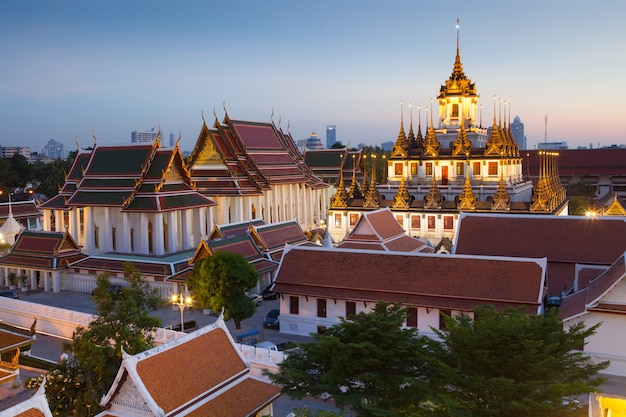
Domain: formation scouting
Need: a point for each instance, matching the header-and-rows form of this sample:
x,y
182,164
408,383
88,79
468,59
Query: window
x,y
398,169
400,220
294,305
413,168
337,219
493,168
350,310
132,240
442,315
150,244
415,221
431,222
476,168
253,212
353,218
96,238
113,241
460,168
429,168
448,222
411,317
321,307
455,111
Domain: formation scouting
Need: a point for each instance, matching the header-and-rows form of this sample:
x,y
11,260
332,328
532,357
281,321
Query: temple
x,y
455,166
147,205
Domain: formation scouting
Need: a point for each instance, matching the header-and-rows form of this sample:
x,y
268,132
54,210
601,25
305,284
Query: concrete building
x,y
331,136
144,136
54,150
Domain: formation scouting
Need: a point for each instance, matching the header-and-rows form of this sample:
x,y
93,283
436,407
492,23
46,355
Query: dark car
x,y
9,294
271,320
269,294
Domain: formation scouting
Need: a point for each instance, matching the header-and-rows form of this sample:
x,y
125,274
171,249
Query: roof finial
x,y
402,114
272,115
457,36
93,135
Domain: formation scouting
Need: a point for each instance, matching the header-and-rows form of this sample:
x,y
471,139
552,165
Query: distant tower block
x,y
331,136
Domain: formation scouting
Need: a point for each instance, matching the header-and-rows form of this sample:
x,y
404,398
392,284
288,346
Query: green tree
x,y
370,365
122,322
221,281
511,364
50,176
23,170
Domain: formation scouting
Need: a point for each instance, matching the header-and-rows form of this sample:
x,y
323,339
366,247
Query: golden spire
x,y
541,196
467,199
402,198
501,201
431,144
354,189
401,148
462,144
494,143
434,198
411,136
457,72
340,199
419,139
372,197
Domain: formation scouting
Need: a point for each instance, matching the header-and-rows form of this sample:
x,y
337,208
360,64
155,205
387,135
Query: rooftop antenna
x,y
545,133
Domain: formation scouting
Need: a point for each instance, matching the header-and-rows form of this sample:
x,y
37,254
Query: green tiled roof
x,y
107,198
119,160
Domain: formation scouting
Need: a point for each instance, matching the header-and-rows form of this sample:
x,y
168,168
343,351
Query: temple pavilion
x,y
457,165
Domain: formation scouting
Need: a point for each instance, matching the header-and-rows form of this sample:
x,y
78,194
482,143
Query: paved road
x,y
51,348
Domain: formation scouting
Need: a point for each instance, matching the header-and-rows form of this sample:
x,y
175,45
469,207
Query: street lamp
x,y
181,302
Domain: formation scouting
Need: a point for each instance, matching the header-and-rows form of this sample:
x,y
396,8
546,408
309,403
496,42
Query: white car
x,y
256,298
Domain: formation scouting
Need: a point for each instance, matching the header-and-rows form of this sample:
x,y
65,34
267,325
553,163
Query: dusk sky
x,y
70,67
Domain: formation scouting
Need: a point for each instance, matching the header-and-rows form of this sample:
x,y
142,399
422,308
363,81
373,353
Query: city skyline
x,y
114,67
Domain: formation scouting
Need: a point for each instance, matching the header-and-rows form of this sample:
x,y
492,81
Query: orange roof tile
x,y
442,281
211,367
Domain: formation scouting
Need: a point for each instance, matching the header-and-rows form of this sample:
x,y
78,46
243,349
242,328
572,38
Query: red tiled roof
x,y
381,230
20,210
456,282
583,300
184,383
244,399
275,236
582,162
559,238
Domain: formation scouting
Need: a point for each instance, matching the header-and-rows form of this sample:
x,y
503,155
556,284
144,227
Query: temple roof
x,y
218,384
48,250
590,297
379,230
239,157
138,178
272,238
439,281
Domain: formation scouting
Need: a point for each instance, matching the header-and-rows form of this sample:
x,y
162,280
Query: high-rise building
x,y
172,139
314,142
517,129
149,136
331,135
54,150
9,151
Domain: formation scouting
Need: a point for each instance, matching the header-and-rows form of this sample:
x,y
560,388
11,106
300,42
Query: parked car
x,y
9,294
269,294
271,320
267,345
256,298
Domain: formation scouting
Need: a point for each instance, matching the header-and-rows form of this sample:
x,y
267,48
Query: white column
x,y
186,230
172,232
88,228
56,281
73,226
141,235
158,234
106,238
46,280
46,220
58,220
123,234
33,279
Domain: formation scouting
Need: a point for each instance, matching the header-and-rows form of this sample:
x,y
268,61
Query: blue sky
x,y
70,67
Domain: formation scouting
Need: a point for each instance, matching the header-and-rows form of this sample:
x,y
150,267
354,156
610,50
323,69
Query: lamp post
x,y
181,302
